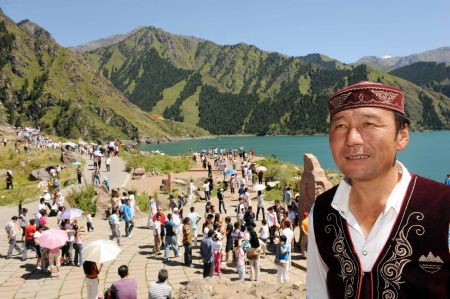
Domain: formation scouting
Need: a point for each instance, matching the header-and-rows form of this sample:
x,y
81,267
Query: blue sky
x,y
345,30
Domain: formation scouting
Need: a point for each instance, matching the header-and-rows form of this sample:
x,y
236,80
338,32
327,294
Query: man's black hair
x,y
400,122
123,271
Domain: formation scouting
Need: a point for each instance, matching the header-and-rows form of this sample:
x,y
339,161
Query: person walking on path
x,y
282,260
187,242
160,289
37,247
128,218
163,223
152,210
229,238
194,220
157,234
125,287
30,229
240,259
221,201
78,246
108,164
260,205
253,254
79,174
114,224
91,273
23,220
171,238
10,229
304,234
207,254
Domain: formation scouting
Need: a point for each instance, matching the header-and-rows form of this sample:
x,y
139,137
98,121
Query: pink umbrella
x,y
53,238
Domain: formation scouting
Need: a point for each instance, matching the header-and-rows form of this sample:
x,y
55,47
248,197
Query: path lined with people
x,y
22,279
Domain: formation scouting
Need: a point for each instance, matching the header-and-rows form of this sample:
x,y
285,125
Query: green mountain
x,y
431,75
240,89
45,85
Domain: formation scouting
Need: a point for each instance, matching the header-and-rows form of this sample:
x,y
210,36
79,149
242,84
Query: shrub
x,y
85,199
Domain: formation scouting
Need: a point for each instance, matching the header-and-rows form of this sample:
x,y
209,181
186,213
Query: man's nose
x,y
353,137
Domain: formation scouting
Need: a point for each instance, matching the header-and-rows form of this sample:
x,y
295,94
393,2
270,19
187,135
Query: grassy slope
x,y
189,108
23,187
170,95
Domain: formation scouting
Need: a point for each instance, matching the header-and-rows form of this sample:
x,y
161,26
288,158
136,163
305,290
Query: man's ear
x,y
403,138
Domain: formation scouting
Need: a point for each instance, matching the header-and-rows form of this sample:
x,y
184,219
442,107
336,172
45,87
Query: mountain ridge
x,y
48,86
438,55
280,94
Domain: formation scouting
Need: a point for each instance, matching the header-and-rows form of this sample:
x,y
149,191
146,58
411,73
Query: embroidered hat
x,y
367,94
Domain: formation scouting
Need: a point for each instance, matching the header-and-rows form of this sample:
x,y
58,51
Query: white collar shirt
x,y
368,249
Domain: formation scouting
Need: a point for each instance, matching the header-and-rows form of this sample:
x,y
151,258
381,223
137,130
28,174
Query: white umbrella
x,y
98,153
261,168
71,213
259,187
101,251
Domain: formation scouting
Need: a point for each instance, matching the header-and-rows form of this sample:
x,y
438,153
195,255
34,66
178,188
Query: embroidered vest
x,y
414,262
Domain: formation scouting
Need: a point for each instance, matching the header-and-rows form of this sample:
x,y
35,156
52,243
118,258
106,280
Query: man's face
x,y
363,142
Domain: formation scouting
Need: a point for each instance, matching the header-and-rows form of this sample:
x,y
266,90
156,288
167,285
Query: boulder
x,y
40,174
313,183
68,157
139,171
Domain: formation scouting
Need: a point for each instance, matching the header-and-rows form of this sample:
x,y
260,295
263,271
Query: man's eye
x,y
340,126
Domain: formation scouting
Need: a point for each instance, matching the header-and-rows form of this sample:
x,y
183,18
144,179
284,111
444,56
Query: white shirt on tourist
x,y
264,232
366,249
288,233
10,229
176,220
260,199
291,217
156,228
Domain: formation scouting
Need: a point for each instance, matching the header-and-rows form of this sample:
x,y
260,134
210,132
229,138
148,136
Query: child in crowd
x,y
217,254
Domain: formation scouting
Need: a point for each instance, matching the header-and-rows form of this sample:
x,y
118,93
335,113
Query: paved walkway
x,y
22,280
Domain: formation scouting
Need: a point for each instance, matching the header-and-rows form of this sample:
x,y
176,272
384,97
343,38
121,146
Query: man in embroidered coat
x,y
382,232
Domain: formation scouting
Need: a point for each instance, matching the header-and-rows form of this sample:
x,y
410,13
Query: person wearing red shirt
x,y
163,222
30,229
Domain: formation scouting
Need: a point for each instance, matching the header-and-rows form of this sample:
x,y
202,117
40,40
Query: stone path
x,y
22,280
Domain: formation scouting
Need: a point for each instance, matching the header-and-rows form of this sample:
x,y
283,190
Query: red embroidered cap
x,y
367,94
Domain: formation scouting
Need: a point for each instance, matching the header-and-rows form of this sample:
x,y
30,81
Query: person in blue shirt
x,y
171,238
283,251
128,218
447,180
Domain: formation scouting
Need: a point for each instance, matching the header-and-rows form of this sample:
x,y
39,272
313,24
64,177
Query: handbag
x,y
253,253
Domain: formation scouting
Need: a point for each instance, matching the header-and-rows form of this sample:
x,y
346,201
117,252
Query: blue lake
x,y
427,154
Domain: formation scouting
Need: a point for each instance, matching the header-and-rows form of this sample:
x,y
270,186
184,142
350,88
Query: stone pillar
x,y
312,184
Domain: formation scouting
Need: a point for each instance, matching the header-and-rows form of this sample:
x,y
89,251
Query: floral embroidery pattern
x,y
348,266
392,269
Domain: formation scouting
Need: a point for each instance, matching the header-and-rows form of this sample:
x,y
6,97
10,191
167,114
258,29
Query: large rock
x,y
68,157
40,174
313,183
224,288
